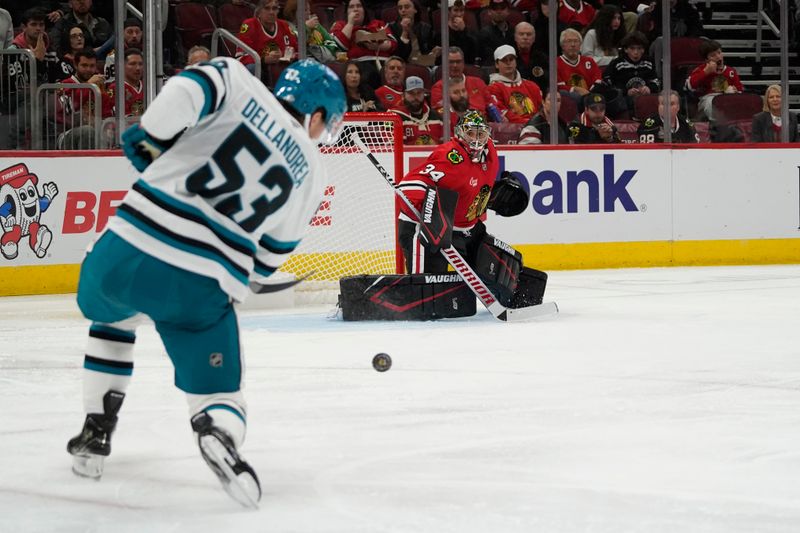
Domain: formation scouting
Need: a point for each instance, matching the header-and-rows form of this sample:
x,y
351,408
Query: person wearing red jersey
x,y
477,91
575,13
712,78
390,94
75,108
451,192
421,124
361,37
517,99
134,87
271,37
577,74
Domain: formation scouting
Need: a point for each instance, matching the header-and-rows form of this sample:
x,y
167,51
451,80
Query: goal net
x,y
354,231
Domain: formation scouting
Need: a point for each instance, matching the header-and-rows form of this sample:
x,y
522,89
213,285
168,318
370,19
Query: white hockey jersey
x,y
235,193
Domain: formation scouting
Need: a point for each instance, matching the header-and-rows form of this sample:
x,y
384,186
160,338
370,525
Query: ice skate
x,y
237,477
93,444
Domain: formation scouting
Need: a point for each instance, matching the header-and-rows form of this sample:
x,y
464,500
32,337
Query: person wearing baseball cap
x,y
517,99
498,32
421,124
593,126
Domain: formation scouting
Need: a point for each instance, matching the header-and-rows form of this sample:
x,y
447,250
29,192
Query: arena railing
x,y
70,116
19,126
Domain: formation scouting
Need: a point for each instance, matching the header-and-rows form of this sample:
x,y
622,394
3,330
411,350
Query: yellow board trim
x,y
59,279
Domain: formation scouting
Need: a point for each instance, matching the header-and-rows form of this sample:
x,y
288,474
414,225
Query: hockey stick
x,y
478,287
266,288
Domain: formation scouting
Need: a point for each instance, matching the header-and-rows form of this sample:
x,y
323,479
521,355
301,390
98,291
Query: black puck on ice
x,y
382,362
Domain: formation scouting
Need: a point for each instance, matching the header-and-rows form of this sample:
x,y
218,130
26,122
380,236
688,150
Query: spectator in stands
x,y
593,126
499,31
684,22
477,91
630,72
712,78
132,36
272,38
531,63
134,87
197,54
6,29
360,96
52,8
390,94
767,124
361,37
541,26
537,130
73,41
459,100
76,110
604,36
576,14
49,68
100,34
577,74
460,35
414,37
319,43
651,130
421,124
365,40
517,99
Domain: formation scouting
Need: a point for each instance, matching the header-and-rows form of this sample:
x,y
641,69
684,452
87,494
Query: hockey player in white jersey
x,y
231,176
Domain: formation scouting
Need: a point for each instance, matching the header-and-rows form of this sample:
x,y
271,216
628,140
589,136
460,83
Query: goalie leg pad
x,y
530,288
498,265
398,297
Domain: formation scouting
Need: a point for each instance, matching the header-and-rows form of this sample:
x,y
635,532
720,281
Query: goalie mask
x,y
473,131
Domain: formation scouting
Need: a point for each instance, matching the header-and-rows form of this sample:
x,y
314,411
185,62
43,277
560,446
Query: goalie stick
x,y
478,287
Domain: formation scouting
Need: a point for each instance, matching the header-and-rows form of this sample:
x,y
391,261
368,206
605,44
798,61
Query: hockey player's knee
x,y
498,265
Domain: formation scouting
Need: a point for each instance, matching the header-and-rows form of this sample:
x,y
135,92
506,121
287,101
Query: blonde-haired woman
x,y
767,124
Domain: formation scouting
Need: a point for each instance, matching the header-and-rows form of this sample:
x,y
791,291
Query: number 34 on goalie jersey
x,y
449,167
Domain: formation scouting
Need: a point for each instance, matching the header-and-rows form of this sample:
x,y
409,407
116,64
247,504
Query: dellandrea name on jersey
x,y
262,121
233,195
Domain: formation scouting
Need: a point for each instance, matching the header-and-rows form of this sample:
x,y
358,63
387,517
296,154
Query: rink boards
x,y
590,208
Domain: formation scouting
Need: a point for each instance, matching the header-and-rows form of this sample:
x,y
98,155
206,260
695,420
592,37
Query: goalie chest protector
x,y
402,297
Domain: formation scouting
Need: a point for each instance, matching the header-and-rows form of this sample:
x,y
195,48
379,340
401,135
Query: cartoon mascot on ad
x,y
21,207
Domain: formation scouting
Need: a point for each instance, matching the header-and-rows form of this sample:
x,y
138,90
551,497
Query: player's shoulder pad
x,y
212,78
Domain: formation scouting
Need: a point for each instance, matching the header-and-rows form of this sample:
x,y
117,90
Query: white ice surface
x,y
660,400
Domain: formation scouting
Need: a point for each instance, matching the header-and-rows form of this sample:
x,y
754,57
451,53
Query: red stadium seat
x,y
389,14
194,24
422,72
568,110
685,56
645,106
741,106
231,16
505,132
627,130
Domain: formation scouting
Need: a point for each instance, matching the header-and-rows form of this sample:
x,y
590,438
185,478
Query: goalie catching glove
x,y
141,148
508,198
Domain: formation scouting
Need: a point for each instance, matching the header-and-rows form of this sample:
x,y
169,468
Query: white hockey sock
x,y
228,411
108,364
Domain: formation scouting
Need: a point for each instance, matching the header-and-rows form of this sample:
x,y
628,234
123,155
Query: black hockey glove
x,y
508,197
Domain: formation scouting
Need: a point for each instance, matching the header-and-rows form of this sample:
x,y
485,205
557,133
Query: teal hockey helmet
x,y
308,86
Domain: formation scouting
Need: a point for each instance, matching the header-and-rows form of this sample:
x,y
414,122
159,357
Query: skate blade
x,y
242,488
88,466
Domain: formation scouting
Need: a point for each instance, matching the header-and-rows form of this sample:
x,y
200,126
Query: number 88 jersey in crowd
x,y
235,191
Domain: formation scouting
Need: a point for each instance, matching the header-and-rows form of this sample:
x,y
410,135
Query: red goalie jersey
x,y
450,167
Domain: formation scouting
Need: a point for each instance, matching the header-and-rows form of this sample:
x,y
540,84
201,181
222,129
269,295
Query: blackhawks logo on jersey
x,y
574,131
454,157
478,205
244,28
649,123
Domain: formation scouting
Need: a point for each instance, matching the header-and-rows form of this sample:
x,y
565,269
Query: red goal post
x,y
354,230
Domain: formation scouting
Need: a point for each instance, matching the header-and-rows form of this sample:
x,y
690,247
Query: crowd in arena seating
x,y
388,55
